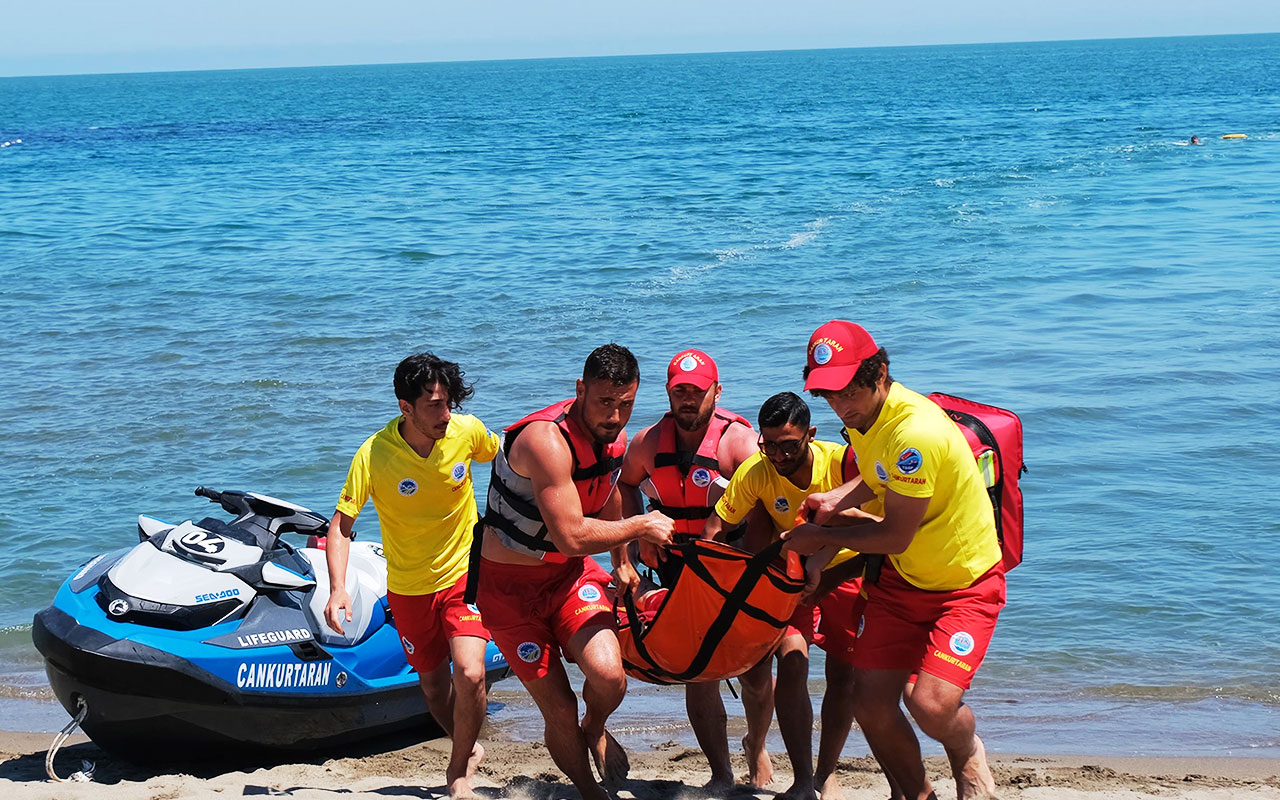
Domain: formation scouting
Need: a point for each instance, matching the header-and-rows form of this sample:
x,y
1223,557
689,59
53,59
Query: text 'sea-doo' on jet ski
x,y
211,635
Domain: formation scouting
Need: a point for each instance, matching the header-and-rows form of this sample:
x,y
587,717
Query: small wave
x,y
265,384
806,236
1176,694
944,183
9,691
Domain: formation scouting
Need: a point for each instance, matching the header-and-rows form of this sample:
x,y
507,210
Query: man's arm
x,y
336,549
542,453
825,505
635,468
890,536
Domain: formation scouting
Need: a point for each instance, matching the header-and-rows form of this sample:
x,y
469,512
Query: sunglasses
x,y
789,448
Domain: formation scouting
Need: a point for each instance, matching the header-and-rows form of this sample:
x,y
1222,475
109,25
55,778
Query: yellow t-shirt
x,y
426,506
916,450
756,481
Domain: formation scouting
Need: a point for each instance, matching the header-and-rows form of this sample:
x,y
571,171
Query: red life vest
x,y
682,479
511,509
995,436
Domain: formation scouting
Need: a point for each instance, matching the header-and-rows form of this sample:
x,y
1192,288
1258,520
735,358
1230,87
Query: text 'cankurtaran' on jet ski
x,y
208,635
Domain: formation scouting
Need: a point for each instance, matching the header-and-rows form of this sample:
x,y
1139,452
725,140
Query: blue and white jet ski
x,y
208,635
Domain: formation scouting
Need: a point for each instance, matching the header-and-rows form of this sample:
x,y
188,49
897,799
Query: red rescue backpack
x,y
995,436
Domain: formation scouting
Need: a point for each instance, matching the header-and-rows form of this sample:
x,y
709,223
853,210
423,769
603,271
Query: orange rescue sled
x,y
727,611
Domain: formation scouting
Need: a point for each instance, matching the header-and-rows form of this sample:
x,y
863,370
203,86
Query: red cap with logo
x,y
694,367
836,350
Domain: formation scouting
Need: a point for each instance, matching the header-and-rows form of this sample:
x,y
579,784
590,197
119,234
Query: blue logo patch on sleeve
x,y
909,461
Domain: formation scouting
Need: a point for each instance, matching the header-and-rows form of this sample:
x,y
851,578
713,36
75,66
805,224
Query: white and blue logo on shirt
x,y
408,487
881,472
781,505
701,477
909,461
589,593
459,471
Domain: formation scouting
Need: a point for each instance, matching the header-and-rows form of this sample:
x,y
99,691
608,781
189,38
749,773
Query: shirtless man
x,y
553,502
682,464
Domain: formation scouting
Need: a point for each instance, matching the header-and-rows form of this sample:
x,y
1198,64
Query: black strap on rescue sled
x,y
735,603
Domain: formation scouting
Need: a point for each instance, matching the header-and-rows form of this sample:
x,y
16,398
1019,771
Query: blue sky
x,y
42,37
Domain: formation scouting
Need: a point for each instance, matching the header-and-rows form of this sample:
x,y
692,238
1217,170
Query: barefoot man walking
x,y
553,502
418,471
934,607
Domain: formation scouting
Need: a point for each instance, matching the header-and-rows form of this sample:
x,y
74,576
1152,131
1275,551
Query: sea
x,y
209,277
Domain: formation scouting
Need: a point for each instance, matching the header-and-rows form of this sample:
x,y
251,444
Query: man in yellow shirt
x,y
934,607
418,471
790,466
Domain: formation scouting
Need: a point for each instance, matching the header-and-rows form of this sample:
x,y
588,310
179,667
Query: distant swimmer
x,y
1196,140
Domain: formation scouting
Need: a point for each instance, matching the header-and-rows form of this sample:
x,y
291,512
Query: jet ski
x,y
210,635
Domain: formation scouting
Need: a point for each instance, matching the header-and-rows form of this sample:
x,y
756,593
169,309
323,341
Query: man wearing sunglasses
x,y
789,466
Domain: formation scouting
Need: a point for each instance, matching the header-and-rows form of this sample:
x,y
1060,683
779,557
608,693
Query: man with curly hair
x,y
417,470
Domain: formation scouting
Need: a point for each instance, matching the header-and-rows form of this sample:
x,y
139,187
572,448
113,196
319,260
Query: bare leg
x,y
709,721
757,704
892,740
469,702
795,715
596,652
939,709
564,738
837,720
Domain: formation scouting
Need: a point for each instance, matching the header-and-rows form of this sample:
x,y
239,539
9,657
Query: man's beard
x,y
699,421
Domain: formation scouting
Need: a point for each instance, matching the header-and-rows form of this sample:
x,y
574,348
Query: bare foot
x,y
973,778
759,767
460,789
830,788
611,760
477,755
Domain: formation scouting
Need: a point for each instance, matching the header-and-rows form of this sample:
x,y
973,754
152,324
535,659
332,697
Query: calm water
x,y
208,278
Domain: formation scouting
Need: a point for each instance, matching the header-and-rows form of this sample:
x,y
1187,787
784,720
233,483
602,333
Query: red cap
x,y
836,350
692,366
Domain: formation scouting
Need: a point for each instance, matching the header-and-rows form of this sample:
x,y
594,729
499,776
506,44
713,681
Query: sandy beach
x,y
523,770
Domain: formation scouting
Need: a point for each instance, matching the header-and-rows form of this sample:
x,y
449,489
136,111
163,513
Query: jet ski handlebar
x,y
283,517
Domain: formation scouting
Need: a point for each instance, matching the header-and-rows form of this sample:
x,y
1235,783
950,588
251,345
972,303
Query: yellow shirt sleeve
x,y
486,443
741,494
913,459
356,491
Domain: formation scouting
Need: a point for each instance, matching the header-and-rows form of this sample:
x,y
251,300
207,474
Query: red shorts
x,y
838,615
534,610
426,623
945,634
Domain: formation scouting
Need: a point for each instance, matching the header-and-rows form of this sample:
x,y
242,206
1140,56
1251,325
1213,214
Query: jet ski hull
x,y
149,697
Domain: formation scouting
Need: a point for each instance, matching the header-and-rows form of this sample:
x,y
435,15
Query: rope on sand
x,y
86,767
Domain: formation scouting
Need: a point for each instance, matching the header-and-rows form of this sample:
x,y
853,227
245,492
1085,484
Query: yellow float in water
x,y
1235,136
